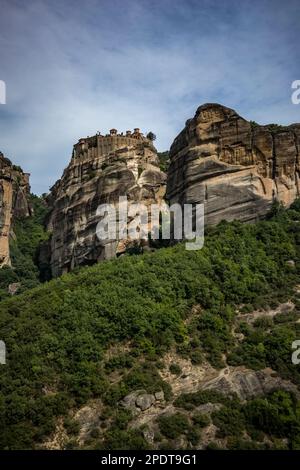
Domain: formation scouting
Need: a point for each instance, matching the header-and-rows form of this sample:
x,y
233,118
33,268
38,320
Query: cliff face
x,y
102,168
14,191
236,168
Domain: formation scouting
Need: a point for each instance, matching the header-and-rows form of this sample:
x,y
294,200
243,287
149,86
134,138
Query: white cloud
x,y
71,71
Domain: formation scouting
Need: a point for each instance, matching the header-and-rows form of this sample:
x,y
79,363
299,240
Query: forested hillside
x,y
96,335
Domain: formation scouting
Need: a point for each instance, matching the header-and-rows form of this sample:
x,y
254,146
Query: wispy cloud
x,y
73,68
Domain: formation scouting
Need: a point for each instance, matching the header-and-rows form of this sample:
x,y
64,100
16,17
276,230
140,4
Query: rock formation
x,y
247,383
14,192
102,169
235,167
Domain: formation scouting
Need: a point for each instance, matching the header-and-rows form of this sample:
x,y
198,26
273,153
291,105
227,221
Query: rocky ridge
x,y
236,168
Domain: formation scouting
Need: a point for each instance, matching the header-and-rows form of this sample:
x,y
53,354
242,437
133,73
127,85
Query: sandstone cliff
x,y
235,167
102,168
14,191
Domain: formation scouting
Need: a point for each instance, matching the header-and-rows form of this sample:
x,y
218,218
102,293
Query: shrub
x,y
125,440
95,433
173,426
71,426
119,362
201,420
276,414
188,400
263,322
175,369
196,357
230,421
193,436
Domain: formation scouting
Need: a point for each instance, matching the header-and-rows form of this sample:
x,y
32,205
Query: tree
x,y
151,136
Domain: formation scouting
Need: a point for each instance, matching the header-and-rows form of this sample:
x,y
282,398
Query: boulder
x,y
159,395
139,400
291,263
144,401
14,287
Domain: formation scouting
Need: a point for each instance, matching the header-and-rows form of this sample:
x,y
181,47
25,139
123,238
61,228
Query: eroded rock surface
x,y
102,169
247,383
236,168
14,192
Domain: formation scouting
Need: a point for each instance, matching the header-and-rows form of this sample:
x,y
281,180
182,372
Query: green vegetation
x,y
173,426
151,136
175,369
164,160
124,440
17,168
71,426
201,420
58,335
191,400
141,376
29,233
276,414
229,420
275,128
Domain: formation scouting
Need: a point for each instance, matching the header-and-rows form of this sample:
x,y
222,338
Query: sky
x,y
73,68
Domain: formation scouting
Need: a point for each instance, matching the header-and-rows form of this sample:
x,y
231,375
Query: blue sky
x,y
75,67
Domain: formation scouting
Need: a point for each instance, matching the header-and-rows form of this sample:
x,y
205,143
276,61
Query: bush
x,y
196,357
190,400
175,369
71,426
95,433
119,362
173,426
201,420
263,322
230,421
276,414
125,440
193,436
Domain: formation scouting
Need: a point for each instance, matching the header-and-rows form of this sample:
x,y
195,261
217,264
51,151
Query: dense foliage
x,y
58,335
164,160
29,232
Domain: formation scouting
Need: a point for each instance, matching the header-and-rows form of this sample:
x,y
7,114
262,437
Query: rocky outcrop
x,y
235,167
14,192
102,169
139,400
247,383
